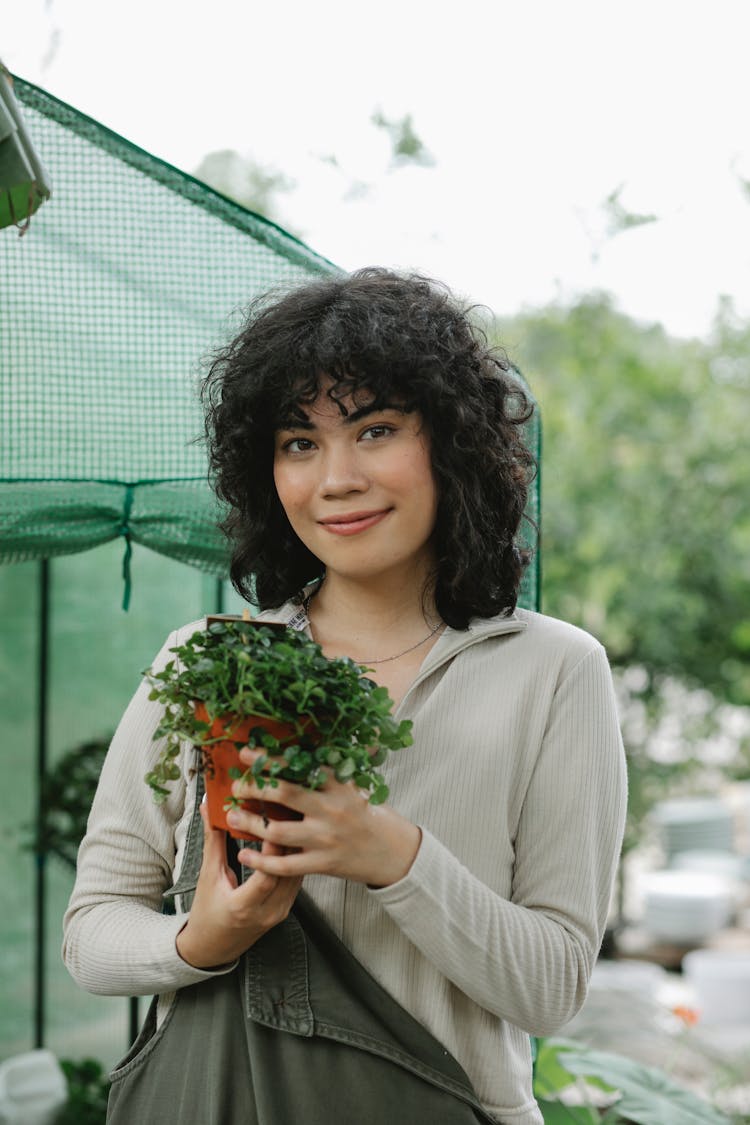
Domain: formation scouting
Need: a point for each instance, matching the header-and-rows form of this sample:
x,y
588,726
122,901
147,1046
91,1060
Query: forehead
x,y
334,405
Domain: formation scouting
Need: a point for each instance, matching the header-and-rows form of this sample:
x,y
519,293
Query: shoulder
x,y
179,636
559,635
526,637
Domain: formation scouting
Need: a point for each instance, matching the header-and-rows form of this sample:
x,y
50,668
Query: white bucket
x,y
32,1089
721,979
685,907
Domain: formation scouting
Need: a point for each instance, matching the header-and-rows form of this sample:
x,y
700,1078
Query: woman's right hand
x,y
226,918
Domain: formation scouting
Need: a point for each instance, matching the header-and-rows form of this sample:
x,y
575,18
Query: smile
x,y
353,522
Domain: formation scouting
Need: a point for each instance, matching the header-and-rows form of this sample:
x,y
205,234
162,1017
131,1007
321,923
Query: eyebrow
x,y
349,419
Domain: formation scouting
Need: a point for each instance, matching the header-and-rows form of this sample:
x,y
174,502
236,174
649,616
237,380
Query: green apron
x,y
298,1032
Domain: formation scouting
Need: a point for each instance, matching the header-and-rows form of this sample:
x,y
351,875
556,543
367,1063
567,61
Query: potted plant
x,y
239,683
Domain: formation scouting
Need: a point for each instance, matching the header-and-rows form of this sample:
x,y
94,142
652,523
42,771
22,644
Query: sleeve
x,y
528,959
116,940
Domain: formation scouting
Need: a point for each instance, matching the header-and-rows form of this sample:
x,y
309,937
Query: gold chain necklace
x,y
383,659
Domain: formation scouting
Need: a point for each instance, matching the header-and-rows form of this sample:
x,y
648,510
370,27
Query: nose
x,y
341,471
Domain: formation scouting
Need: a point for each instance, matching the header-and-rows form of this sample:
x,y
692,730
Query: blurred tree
x,y
645,485
610,219
407,146
242,179
619,219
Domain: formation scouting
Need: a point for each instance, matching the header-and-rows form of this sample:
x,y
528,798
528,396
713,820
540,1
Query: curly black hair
x,y
393,338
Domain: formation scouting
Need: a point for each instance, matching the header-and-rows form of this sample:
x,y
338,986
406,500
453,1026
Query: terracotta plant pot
x,y
220,757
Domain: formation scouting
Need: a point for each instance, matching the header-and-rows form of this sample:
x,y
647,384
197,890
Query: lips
x,y
350,523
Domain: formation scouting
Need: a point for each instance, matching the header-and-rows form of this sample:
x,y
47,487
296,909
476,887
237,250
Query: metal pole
x,y
219,597
41,763
133,1020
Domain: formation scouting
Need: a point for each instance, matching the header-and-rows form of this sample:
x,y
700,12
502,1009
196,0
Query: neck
x,y
370,618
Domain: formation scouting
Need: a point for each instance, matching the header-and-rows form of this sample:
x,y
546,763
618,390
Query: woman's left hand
x,y
341,833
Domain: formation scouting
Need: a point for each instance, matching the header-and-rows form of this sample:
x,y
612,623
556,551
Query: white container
x,y
639,977
694,823
32,1089
721,980
685,907
725,864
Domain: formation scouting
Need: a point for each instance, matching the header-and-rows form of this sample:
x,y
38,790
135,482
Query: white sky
x,y
534,112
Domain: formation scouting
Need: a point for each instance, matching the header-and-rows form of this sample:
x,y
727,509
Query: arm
x,y
526,959
117,941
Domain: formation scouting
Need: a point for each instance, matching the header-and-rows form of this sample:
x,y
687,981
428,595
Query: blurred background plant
x,y
88,1089
67,792
646,527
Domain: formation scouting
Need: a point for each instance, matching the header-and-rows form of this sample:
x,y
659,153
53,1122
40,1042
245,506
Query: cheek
x,y
285,488
419,472
277,477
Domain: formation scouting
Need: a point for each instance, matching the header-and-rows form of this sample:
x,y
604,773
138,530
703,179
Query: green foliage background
x,y
646,527
645,487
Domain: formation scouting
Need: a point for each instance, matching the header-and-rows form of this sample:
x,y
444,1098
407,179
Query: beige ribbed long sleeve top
x,y
517,779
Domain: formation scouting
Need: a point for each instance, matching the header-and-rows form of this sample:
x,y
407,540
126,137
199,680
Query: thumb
x,y
214,843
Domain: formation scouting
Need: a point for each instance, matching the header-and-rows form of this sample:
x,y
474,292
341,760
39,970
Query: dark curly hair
x,y
393,338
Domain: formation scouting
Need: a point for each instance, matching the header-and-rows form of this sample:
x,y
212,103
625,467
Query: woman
x,y
370,449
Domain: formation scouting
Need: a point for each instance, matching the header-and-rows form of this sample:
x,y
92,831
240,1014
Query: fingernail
x,y
204,798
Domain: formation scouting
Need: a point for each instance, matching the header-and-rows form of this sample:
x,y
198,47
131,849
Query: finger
x,y
284,834
291,865
289,793
214,862
214,841
249,756
249,857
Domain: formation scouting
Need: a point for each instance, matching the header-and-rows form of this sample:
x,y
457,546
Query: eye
x,y
379,430
297,445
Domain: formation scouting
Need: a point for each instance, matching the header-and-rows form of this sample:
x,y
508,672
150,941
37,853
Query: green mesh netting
x,y
128,276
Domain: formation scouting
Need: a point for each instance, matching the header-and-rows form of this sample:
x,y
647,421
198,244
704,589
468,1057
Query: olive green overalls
x,y
298,1033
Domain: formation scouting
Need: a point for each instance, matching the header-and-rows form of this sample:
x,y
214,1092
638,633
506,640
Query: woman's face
x,y
358,489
